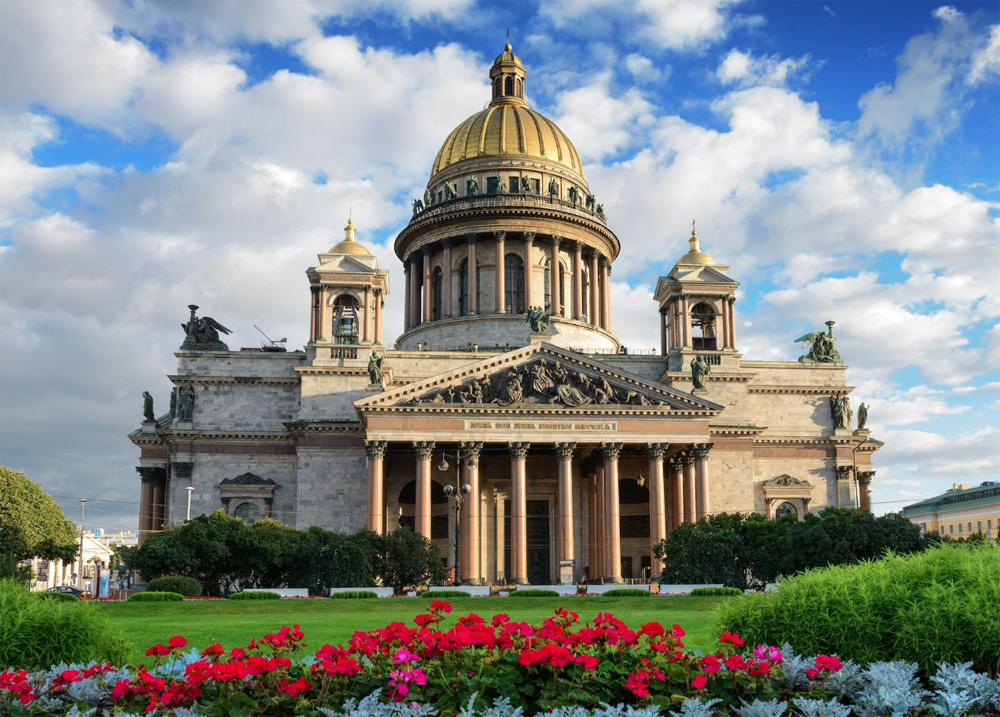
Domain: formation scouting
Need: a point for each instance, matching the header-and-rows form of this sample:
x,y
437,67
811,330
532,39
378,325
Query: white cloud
x,y
986,60
642,68
600,124
673,24
746,70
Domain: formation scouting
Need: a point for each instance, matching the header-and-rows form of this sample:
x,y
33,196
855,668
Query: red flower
x,y
699,682
735,662
177,641
652,629
424,620
731,637
158,651
293,689
589,662
499,620
213,651
824,662
709,664
440,605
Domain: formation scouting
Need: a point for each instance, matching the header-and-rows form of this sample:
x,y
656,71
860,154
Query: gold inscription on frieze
x,y
538,426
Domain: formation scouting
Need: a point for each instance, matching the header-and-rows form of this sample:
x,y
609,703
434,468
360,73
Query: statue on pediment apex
x,y
822,346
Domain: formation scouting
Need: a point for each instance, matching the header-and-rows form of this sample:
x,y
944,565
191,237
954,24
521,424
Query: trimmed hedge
x,y
353,595
188,587
931,607
626,592
36,634
436,594
533,593
704,592
255,596
156,597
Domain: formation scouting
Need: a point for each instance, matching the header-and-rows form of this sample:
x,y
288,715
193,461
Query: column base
x,y
519,581
473,581
613,580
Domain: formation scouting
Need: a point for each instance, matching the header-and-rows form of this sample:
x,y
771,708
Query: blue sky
x,y
843,158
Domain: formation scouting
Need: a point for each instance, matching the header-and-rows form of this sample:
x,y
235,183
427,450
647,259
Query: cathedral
x,y
507,423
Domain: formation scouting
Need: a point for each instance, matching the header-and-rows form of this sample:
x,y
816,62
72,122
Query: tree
x,y
409,560
32,525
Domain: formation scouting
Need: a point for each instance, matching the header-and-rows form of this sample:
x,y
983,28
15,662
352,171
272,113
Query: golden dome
x,y
349,245
508,128
695,255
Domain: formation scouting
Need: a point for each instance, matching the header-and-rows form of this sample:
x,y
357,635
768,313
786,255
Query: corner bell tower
x,y
697,311
348,293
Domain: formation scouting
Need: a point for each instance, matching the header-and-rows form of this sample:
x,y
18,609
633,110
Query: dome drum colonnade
x,y
678,493
535,237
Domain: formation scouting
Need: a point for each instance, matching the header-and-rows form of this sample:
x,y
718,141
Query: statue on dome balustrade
x,y
574,194
600,213
471,187
418,206
501,185
553,188
590,202
428,198
449,193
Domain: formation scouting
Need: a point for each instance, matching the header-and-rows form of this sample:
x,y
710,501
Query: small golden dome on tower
x,y
350,244
695,255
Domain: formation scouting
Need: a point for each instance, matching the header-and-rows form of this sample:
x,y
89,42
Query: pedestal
x,y
566,572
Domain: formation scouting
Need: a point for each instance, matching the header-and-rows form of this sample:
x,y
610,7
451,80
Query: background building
x,y
959,512
579,453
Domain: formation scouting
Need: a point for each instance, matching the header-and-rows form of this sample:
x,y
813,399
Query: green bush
x,y
533,593
436,594
353,595
704,592
626,592
936,606
255,596
35,634
155,597
188,587
64,597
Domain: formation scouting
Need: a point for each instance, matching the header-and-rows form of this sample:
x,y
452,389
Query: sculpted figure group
x,y
541,382
202,334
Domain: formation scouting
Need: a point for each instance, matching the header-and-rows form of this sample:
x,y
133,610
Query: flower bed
x,y
499,667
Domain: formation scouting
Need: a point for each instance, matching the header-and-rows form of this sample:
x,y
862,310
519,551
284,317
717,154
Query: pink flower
x,y
403,656
767,652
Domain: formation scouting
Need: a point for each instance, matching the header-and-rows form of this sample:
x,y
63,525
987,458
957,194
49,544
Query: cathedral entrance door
x,y
539,547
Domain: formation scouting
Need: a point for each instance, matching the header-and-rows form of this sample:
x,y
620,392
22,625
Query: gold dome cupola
x,y
507,75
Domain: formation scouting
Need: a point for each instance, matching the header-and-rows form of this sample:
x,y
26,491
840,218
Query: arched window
x,y
508,87
520,89
703,325
513,284
547,284
463,288
784,509
345,320
437,286
248,512
562,290
496,88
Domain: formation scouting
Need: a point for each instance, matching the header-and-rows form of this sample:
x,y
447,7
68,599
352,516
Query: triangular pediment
x,y
537,376
343,264
705,274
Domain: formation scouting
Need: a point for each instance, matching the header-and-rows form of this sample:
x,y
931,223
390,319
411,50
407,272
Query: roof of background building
x,y
987,492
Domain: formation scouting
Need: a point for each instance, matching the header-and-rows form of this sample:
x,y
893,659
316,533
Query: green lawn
x,y
334,621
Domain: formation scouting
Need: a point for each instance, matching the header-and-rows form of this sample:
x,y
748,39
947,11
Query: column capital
x,y
499,235
182,469
675,464
845,472
529,237
406,265
424,449
366,288
731,299
686,458
518,451
865,477
315,288
565,451
556,240
470,450
611,451
425,251
446,243
701,450
578,247
377,291
655,451
154,475
375,449
470,239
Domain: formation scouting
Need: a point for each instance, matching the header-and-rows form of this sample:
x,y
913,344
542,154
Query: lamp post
x,y
189,489
456,495
83,520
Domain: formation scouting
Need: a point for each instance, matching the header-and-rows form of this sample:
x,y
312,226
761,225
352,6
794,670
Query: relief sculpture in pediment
x,y
538,383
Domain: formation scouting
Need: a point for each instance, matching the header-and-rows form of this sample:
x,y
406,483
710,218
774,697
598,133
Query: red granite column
x,y
376,485
424,451
612,527
657,504
501,293
564,525
518,513
471,541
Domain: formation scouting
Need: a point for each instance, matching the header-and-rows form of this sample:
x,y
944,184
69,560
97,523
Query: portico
x,y
544,476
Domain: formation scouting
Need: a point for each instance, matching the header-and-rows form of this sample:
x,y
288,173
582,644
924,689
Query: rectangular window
x,y
970,526
979,526
491,185
959,528
951,529
989,525
536,186
515,185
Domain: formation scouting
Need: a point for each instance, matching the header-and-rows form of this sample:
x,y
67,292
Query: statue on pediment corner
x,y
185,404
822,346
862,416
147,407
202,334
